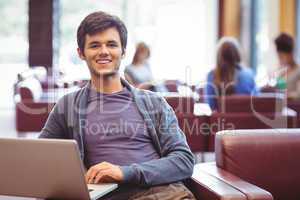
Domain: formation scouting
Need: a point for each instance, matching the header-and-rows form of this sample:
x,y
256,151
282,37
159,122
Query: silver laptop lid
x,y
43,168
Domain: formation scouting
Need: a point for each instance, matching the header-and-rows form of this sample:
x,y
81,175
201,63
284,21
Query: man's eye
x,y
94,46
112,45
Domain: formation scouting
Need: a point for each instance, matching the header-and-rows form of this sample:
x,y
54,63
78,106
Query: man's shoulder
x,y
152,100
70,98
148,94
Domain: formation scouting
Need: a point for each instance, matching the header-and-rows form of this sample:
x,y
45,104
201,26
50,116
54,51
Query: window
x,y
181,34
268,29
14,46
298,30
262,29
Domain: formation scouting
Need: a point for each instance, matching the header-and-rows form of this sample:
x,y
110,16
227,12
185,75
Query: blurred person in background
x,y
139,73
289,73
229,76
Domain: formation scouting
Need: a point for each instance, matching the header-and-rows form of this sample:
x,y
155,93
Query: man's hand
x,y
104,173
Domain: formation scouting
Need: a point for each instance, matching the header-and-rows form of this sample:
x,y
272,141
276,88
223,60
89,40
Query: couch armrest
x,y
207,187
251,192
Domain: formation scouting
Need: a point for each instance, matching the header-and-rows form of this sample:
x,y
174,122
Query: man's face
x,y
102,52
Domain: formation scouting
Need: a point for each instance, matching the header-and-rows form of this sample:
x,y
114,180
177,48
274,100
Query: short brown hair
x,y
98,22
284,43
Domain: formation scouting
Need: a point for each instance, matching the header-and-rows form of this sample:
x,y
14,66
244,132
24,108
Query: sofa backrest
x,y
268,158
181,104
232,121
196,129
264,103
30,89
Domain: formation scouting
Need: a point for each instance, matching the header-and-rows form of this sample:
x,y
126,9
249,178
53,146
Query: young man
x,y
124,134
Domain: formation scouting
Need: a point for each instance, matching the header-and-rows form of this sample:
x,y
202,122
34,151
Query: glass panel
x,y
298,30
265,29
181,34
14,46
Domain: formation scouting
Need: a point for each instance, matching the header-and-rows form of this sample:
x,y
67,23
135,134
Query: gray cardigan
x,y
176,160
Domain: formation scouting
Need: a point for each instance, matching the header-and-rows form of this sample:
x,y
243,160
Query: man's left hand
x,y
104,172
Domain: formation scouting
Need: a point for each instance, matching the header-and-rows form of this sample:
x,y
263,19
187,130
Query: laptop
x,y
45,168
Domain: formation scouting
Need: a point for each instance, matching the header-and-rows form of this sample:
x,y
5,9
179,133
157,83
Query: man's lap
x,y
173,191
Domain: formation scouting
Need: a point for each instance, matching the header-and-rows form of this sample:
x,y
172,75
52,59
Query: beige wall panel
x,y
231,18
287,16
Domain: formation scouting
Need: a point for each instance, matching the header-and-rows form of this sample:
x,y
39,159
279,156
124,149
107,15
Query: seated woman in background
x,y
289,75
229,77
138,73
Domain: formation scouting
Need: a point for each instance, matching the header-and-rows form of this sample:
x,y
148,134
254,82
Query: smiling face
x,y
102,52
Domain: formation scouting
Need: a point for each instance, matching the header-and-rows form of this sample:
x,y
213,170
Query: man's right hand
x,y
104,172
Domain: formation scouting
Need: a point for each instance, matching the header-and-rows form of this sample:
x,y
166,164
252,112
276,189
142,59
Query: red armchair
x,y
33,104
257,164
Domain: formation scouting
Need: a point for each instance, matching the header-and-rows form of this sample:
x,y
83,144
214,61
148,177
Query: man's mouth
x,y
103,61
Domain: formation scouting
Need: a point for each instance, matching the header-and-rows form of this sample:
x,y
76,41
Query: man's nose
x,y
103,50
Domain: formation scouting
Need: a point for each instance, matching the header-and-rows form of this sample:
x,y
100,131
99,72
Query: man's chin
x,y
105,73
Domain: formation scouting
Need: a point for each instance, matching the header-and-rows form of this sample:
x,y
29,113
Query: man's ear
x,y
80,54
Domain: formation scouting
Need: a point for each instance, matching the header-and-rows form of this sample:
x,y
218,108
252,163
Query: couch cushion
x,y
268,158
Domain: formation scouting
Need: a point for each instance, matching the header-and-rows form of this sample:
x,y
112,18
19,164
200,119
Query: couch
x,y
251,164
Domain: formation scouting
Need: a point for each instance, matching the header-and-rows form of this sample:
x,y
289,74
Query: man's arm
x,y
177,160
55,126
